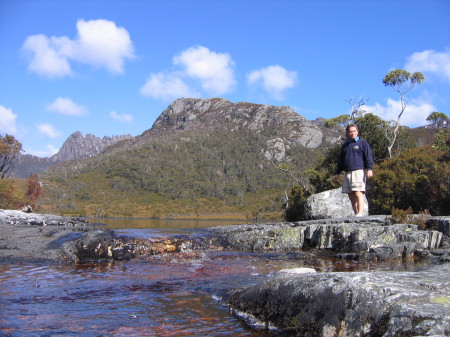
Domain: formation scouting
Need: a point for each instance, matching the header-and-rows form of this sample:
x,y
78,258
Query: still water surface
x,y
115,223
175,294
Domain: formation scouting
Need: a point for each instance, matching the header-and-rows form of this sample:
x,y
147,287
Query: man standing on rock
x,y
356,161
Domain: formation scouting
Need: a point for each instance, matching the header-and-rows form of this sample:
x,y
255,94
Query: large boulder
x,y
388,304
330,205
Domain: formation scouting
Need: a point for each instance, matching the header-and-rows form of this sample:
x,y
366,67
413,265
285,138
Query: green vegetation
x,y
410,175
15,193
210,175
417,178
414,181
439,119
402,82
10,149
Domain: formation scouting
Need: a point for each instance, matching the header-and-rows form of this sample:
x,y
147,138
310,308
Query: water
x,y
145,223
173,294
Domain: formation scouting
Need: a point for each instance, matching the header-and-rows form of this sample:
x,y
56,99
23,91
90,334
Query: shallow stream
x,y
176,294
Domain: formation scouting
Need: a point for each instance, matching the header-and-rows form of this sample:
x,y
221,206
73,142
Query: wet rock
x,y
42,238
296,271
351,304
352,238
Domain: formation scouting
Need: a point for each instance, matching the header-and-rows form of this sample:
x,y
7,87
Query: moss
x,y
441,300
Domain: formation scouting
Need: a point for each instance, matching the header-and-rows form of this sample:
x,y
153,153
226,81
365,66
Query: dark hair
x,y
350,126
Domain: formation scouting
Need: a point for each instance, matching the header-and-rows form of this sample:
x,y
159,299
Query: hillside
x,y
202,157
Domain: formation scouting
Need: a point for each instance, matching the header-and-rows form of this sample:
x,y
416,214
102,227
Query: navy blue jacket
x,y
355,155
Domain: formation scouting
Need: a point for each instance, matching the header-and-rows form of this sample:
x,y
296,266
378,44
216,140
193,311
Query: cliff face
x,y
76,146
281,124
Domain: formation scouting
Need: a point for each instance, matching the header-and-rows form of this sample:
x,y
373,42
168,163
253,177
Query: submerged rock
x,y
385,304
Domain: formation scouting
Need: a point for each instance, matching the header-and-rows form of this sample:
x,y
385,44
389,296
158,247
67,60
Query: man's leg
x,y
357,201
354,201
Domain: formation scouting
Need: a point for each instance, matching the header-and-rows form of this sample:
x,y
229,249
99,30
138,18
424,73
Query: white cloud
x,y
167,87
121,118
99,43
415,114
7,121
430,61
275,80
48,59
102,44
65,106
214,70
48,130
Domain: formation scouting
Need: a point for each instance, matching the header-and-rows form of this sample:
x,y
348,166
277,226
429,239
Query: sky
x,y
111,67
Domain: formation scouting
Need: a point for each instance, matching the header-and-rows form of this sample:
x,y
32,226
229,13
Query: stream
x,y
171,294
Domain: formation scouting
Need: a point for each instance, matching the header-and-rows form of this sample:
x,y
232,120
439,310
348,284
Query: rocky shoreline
x,y
315,304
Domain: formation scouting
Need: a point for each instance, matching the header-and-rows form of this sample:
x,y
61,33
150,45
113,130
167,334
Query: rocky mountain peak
x,y
78,146
285,127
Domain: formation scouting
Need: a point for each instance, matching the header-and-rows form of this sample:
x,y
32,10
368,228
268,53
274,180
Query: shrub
x,y
417,179
295,209
34,190
407,217
10,196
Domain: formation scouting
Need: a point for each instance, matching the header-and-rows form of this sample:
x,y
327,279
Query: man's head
x,y
352,131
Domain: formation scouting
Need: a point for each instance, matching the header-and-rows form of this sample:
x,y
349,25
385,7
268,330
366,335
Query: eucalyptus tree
x,y
10,149
438,119
402,82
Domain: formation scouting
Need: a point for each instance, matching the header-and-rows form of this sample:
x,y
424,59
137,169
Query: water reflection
x,y
171,294
122,223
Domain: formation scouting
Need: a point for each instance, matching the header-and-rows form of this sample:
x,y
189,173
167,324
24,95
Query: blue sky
x,y
111,67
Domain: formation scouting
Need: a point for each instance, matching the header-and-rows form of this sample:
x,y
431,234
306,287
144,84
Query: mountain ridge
x,y
76,146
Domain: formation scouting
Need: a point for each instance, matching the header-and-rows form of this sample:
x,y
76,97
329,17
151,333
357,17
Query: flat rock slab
x,y
38,238
371,237
350,304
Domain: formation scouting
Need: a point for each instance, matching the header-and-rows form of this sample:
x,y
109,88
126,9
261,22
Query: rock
x,y
39,238
350,238
439,223
295,271
330,204
351,304
27,209
76,146
275,149
203,114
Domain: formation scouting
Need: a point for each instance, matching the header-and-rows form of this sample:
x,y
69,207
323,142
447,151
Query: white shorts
x,y
354,181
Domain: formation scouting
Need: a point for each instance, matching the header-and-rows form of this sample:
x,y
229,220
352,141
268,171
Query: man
x,y
356,161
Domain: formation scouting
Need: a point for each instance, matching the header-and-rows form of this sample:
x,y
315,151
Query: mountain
x,y
282,127
76,146
201,157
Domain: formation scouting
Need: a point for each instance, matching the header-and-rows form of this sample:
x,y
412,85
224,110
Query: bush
x,y
295,209
407,217
417,179
10,196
